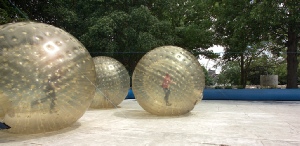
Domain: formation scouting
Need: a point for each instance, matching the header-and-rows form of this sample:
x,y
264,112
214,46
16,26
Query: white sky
x,y
209,63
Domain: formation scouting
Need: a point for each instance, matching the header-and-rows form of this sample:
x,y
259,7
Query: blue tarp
x,y
130,94
252,94
246,94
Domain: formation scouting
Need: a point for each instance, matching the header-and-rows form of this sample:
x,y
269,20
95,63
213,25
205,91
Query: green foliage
x,y
218,87
9,13
238,24
279,22
208,79
194,37
265,64
197,34
229,74
161,30
116,27
240,87
125,30
228,87
236,31
281,71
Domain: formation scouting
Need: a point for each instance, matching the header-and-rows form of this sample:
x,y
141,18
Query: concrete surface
x,y
212,122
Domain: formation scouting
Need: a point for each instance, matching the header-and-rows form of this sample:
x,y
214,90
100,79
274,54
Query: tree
x,y
241,23
279,21
122,29
229,74
59,13
235,31
265,63
9,13
135,27
125,33
196,33
281,71
208,79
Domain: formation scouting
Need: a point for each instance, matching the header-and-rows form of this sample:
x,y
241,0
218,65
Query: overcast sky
x,y
208,63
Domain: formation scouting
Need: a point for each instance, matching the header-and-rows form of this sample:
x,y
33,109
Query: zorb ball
x,y
112,82
47,78
168,81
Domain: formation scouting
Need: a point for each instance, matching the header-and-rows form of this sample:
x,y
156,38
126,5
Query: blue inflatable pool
x,y
246,94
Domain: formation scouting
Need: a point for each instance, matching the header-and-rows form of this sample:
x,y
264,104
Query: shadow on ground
x,y
140,114
6,137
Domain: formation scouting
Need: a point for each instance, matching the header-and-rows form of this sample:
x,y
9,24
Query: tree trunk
x,y
292,61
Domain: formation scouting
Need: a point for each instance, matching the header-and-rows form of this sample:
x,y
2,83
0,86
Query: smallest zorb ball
x,y
112,82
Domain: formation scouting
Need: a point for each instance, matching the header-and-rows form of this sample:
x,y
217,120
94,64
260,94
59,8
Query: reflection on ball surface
x,y
168,81
112,82
47,77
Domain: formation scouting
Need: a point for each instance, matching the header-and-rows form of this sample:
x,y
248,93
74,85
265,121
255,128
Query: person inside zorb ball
x,y
168,81
166,87
47,78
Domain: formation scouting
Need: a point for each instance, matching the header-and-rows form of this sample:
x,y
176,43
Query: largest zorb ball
x,y
168,81
46,78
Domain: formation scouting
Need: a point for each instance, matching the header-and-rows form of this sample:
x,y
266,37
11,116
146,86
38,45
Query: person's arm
x,y
171,81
